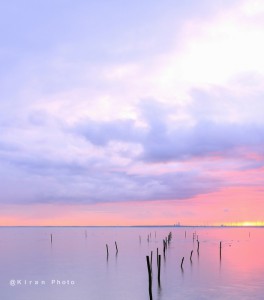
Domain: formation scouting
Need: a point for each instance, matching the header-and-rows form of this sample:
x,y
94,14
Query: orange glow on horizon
x,y
246,223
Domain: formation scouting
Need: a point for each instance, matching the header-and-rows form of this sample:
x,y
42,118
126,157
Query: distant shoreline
x,y
131,226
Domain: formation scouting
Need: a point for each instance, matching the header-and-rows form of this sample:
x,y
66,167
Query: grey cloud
x,y
101,133
163,142
98,186
30,175
31,179
204,139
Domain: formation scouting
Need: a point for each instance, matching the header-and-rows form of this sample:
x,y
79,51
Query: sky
x,y
131,112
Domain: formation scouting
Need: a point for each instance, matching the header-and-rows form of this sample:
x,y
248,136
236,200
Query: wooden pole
x,y
191,255
51,238
220,248
116,248
159,259
107,250
164,248
149,278
182,262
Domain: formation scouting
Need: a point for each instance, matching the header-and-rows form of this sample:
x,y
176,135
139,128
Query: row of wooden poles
x,y
166,242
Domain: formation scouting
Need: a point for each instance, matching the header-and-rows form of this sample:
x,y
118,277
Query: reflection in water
x,y
220,251
182,271
230,264
159,292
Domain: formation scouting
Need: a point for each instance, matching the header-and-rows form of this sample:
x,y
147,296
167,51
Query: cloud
x,y
54,182
204,139
165,140
101,133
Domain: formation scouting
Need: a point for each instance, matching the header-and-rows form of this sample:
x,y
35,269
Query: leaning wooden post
x,y
51,238
191,255
116,247
198,246
159,259
182,262
149,277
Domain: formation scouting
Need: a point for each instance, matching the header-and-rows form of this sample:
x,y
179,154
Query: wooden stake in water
x,y
191,255
116,248
220,248
198,246
185,233
149,277
159,259
51,238
107,250
182,262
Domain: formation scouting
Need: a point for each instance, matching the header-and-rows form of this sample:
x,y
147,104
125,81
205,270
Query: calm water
x,y
77,257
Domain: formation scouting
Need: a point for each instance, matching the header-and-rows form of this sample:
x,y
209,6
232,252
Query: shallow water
x,y
75,265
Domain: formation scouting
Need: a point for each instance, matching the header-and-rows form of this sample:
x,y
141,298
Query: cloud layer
x,y
112,103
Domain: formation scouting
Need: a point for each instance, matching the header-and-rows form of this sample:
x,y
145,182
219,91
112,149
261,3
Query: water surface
x,y
75,265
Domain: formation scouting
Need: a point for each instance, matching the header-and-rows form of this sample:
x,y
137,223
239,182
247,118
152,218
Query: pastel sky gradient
x,y
117,112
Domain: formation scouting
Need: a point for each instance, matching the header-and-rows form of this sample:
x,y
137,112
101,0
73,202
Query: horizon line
x,y
176,226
